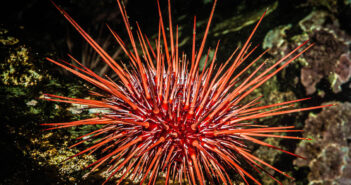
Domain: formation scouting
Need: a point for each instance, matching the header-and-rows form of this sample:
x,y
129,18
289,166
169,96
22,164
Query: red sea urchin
x,y
166,117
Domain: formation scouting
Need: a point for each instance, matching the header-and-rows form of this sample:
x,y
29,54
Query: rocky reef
x,y
328,59
28,150
328,154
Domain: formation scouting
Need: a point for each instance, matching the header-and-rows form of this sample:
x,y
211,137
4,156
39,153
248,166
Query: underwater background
x,y
32,30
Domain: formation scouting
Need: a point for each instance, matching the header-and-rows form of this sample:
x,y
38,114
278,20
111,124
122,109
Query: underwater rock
x,y
276,39
45,153
323,61
328,59
17,68
328,155
30,152
330,5
236,23
271,93
343,69
269,155
7,40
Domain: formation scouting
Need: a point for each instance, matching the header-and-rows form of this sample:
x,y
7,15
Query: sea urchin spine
x,y
164,116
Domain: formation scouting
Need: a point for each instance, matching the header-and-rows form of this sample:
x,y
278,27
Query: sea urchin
x,y
166,116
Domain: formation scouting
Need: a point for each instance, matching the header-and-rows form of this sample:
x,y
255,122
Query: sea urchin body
x,y
166,116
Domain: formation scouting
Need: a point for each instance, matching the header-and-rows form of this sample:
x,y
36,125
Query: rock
x,y
328,59
328,155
